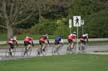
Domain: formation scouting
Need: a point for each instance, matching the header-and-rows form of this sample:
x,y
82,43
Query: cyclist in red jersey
x,y
71,39
12,43
42,40
28,40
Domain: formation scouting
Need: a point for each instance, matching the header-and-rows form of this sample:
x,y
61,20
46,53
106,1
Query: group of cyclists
x,y
28,43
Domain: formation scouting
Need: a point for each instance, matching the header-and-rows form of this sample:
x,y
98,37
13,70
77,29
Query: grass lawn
x,y
73,62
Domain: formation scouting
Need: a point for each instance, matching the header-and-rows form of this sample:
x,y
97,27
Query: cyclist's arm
x,y
16,42
48,41
32,42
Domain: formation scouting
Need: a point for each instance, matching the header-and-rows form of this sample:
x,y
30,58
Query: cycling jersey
x,y
12,41
83,38
43,39
71,37
28,39
58,39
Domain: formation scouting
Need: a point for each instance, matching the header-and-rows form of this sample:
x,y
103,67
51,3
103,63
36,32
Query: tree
x,y
14,12
96,24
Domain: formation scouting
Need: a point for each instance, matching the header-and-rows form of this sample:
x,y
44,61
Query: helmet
x,y
74,32
85,34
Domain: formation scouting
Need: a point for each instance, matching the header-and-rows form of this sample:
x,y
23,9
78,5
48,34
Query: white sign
x,y
70,23
76,21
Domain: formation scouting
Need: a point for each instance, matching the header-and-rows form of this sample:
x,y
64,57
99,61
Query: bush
x,y
97,25
44,27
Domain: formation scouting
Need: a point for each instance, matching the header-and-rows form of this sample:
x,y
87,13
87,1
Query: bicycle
x,y
70,48
42,50
28,50
82,47
11,51
56,49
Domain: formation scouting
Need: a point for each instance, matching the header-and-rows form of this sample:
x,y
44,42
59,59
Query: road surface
x,y
95,49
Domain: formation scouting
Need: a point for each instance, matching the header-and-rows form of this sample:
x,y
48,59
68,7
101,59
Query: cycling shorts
x,y
11,46
41,42
26,43
57,42
70,41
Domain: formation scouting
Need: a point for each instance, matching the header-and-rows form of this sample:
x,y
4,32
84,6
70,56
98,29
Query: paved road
x,y
96,49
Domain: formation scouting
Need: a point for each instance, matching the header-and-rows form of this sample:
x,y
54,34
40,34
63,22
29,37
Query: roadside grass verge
x,y
75,62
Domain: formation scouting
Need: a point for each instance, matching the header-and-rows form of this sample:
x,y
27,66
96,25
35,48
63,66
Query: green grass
x,y
58,63
3,37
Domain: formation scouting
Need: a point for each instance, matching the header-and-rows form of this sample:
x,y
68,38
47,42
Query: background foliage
x,y
51,17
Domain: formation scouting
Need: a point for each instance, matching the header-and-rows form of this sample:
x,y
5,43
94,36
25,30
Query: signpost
x,y
77,23
70,24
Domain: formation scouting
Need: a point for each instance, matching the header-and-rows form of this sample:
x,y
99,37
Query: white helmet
x,y
85,35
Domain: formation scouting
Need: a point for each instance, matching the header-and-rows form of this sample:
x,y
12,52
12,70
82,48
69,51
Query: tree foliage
x,y
44,14
97,27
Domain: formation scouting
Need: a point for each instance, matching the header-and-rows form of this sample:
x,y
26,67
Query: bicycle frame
x,y
70,48
57,48
42,49
82,47
12,51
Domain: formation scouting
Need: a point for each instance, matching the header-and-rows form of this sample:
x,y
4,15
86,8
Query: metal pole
x,y
70,30
82,30
77,47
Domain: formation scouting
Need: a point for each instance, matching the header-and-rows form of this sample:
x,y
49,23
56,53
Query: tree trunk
x,y
9,31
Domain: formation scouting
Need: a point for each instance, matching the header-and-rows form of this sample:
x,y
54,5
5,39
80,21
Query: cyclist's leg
x,y
44,47
69,45
68,48
11,49
29,49
39,50
56,47
82,47
59,47
26,48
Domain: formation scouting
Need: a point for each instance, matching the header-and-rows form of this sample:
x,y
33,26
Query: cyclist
x,y
42,40
58,40
71,39
58,43
83,41
12,43
28,41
